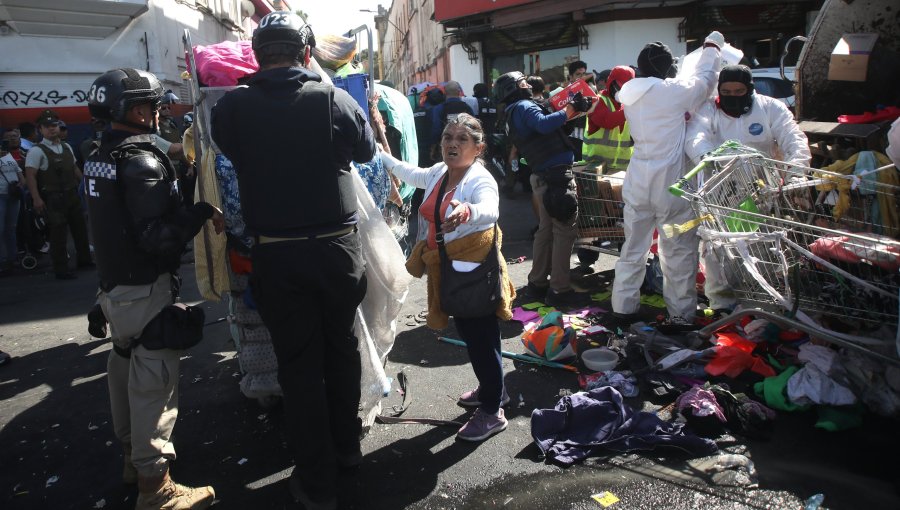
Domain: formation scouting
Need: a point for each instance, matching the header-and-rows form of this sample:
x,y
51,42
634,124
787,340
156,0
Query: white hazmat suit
x,y
656,111
768,127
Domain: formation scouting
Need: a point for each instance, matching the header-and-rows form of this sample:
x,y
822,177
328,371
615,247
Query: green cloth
x,y
533,306
349,68
773,390
835,418
399,115
654,300
601,296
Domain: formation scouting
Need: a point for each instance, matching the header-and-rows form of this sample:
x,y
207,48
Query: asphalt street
x,y
57,449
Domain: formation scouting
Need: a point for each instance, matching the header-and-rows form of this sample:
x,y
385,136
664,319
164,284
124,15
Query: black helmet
x,y
117,91
169,97
507,85
283,27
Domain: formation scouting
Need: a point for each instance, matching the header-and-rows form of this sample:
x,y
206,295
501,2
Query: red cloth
x,y
239,263
734,356
427,210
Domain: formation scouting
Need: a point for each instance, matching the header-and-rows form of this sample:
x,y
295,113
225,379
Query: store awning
x,y
88,19
451,9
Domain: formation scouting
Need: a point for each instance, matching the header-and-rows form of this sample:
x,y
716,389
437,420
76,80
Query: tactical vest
x,y
538,148
612,146
168,130
487,114
452,109
422,118
119,259
288,191
60,174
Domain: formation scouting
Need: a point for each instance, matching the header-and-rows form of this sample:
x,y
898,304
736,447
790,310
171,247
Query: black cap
x,y
48,117
656,60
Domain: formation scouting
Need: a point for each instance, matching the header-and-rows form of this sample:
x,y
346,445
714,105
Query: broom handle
x,y
520,357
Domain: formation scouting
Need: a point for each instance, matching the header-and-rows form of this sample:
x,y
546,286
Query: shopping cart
x,y
820,245
600,207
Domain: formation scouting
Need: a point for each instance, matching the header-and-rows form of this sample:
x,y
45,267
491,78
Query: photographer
x,y
537,133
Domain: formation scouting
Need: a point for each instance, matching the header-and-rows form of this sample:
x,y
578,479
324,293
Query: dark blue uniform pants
x,y
307,293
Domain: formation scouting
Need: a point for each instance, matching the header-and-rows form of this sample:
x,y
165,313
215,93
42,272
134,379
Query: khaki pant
x,y
553,244
143,389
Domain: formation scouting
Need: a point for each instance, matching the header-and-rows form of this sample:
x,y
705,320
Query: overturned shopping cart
x,y
819,245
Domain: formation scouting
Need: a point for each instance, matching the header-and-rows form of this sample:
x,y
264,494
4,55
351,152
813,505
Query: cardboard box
x,y
559,100
616,181
850,57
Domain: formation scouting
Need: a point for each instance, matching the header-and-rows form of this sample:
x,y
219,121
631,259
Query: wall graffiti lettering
x,y
37,98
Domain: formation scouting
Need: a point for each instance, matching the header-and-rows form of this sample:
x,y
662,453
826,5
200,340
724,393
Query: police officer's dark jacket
x,y
139,224
300,184
541,150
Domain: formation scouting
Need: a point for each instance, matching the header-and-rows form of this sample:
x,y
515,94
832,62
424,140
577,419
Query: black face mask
x,y
736,105
614,89
526,93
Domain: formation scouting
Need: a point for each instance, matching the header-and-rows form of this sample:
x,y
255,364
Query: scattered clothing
x,y
590,423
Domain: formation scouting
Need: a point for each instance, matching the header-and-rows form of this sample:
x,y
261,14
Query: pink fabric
x,y
840,248
223,64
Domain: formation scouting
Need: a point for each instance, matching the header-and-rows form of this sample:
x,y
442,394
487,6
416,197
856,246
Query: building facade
x,y
54,49
478,40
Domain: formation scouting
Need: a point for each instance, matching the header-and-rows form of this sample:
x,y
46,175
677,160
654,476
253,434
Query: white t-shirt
x,y
10,170
37,159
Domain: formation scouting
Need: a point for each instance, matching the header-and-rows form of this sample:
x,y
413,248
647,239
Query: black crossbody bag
x,y
467,294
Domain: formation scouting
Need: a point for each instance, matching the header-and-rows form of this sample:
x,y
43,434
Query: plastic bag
x,y
388,284
223,64
687,64
334,51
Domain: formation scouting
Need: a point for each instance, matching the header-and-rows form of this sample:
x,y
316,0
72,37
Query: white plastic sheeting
x,y
388,284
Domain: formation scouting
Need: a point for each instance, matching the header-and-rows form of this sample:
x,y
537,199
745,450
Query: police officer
x,y
52,175
453,105
298,200
537,133
140,229
487,114
422,115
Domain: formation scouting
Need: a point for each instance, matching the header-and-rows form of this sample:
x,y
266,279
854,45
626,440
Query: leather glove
x,y
716,39
580,103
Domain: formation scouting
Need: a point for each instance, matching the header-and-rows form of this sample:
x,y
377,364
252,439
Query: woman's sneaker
x,y
471,399
483,425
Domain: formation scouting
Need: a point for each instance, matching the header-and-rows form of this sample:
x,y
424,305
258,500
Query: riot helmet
x,y
283,27
115,92
169,98
507,85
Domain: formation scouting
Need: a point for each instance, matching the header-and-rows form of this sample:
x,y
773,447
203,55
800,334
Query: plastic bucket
x,y
357,85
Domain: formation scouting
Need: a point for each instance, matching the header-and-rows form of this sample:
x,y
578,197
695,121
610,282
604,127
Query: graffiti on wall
x,y
36,98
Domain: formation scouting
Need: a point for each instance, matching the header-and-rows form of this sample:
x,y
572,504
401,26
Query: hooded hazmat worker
x,y
656,106
754,120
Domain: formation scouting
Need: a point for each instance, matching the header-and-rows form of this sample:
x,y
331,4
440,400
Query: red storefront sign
x,y
451,9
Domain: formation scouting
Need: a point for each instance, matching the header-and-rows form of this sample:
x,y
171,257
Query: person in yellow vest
x,y
607,142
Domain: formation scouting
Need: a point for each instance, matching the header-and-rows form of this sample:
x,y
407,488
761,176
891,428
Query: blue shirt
x,y
527,119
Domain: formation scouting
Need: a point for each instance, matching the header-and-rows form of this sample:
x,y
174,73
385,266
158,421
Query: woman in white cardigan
x,y
470,209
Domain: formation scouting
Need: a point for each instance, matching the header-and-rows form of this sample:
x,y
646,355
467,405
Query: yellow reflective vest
x,y
610,146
